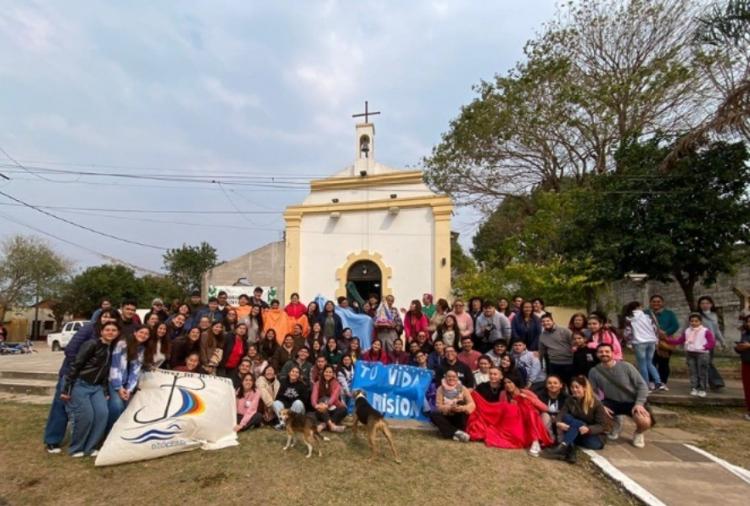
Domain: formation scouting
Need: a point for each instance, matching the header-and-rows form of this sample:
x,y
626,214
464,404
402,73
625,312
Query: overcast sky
x,y
227,89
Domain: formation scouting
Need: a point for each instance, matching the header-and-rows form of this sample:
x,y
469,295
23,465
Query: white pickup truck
x,y
59,340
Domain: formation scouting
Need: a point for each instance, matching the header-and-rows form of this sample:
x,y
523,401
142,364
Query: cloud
x,y
234,99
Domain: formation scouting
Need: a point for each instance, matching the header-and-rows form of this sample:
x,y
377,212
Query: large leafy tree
x,y
85,291
686,226
28,268
602,72
187,264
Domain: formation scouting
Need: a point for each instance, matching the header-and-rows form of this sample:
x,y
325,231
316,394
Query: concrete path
x,y
43,360
671,470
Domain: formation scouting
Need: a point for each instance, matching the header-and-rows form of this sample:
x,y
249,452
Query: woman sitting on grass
x,y
581,422
248,400
453,407
326,401
84,388
268,386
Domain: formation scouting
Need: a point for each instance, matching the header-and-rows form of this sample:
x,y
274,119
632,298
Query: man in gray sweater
x,y
625,393
490,326
556,349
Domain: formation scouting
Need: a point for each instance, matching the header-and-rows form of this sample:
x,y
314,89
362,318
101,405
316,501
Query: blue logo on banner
x,y
397,391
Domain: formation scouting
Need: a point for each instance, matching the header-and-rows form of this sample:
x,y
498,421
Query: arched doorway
x,y
366,277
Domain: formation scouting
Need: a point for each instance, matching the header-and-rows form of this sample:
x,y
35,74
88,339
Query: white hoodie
x,y
641,329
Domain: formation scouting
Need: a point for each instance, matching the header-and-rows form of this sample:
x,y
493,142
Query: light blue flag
x,y
361,324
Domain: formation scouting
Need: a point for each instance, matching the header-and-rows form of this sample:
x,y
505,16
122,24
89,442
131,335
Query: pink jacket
x,y
465,324
334,400
699,340
412,326
247,406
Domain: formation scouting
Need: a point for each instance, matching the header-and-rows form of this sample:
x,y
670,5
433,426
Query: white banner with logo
x,y
234,292
172,412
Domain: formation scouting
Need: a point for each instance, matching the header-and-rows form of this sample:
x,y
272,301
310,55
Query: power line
x,y
84,248
89,229
16,163
141,211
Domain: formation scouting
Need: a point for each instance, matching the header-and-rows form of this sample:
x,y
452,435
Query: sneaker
x,y
663,388
279,426
338,428
638,440
535,449
651,387
747,417
614,434
52,449
694,392
461,436
94,453
701,393
78,455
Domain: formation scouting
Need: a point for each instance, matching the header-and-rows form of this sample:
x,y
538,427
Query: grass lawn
x,y
433,472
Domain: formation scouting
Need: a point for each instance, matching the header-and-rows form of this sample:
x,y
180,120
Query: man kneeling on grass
x,y
625,393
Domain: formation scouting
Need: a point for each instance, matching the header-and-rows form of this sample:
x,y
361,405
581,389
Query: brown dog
x,y
373,421
301,423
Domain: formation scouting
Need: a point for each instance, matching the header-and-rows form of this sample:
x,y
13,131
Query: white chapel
x,y
371,228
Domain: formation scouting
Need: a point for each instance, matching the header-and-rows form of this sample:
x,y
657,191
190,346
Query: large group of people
x,y
504,372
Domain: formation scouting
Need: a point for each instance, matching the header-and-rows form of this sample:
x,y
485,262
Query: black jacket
x,y
90,365
465,376
290,392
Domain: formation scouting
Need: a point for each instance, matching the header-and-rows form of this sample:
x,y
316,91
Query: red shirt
x,y
235,355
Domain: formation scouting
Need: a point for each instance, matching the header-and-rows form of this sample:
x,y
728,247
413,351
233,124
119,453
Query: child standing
x,y
584,358
698,341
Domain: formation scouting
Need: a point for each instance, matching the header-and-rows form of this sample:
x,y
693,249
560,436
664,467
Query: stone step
x,y
47,376
711,400
28,386
665,417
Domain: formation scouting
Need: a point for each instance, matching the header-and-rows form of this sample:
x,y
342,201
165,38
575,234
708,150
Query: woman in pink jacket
x,y
248,398
415,321
326,400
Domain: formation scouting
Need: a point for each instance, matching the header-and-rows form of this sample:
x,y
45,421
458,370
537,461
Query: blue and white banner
x,y
397,391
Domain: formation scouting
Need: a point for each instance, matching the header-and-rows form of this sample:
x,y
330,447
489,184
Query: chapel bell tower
x,y
364,141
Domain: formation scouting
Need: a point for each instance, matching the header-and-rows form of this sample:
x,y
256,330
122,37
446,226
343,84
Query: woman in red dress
x,y
513,421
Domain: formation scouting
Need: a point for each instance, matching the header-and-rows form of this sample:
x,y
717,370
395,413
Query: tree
x,y
722,47
29,269
684,226
86,290
461,263
187,264
601,73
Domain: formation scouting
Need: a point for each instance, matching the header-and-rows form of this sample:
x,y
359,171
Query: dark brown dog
x,y
373,421
302,424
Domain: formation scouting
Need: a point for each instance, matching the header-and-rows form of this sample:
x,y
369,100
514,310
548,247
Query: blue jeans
x,y
88,409
116,406
297,406
644,357
57,420
573,436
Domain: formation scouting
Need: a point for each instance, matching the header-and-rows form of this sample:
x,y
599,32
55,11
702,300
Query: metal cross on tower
x,y
366,114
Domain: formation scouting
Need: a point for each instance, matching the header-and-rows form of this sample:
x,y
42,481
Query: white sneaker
x,y
535,449
663,388
94,453
701,393
747,417
461,436
614,434
78,455
638,440
694,392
